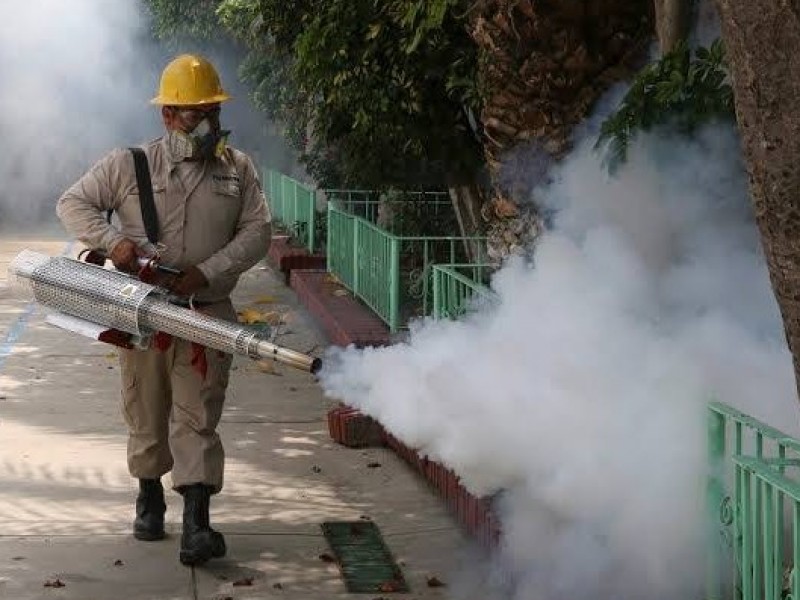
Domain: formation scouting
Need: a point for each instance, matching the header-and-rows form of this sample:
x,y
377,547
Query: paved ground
x,y
66,497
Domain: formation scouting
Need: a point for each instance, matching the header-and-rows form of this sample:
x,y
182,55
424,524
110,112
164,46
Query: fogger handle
x,y
147,264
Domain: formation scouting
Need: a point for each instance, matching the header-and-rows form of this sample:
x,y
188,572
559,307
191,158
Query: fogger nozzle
x,y
117,301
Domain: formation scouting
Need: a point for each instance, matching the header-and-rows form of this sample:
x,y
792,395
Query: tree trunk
x,y
762,38
467,200
672,22
544,64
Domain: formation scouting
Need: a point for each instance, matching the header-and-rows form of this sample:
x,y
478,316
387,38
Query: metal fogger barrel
x,y
114,300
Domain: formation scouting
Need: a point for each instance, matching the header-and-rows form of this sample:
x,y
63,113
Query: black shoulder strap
x,y
149,216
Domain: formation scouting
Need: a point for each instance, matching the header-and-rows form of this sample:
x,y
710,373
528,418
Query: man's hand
x,y
124,256
190,282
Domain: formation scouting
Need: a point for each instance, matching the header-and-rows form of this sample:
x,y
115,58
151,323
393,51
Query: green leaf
x,y
675,90
374,31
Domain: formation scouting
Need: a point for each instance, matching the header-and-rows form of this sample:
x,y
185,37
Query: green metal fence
x,y
399,212
768,507
752,504
391,273
294,206
456,287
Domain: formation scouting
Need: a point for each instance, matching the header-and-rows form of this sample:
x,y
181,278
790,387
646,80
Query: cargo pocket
x,y
128,383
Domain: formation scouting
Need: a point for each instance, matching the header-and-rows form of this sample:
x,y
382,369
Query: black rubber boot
x,y
199,542
150,509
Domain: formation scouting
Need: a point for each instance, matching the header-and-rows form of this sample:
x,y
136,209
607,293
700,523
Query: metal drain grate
x,y
364,560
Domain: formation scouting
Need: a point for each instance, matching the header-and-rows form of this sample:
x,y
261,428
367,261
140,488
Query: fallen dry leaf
x,y
251,315
325,557
265,300
56,583
341,292
435,582
373,465
246,581
118,563
277,586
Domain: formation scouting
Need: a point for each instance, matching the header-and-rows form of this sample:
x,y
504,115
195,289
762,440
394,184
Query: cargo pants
x,y
172,411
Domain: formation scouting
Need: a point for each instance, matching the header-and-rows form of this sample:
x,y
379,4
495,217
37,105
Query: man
x,y
212,224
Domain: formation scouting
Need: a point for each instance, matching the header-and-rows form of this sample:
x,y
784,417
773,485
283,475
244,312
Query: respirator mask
x,y
205,140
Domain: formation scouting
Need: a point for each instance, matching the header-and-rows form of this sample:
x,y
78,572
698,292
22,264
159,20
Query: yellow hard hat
x,y
190,79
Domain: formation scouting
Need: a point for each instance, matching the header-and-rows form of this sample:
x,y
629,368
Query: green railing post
x,y
282,197
796,549
394,286
745,525
437,293
768,547
292,205
758,558
312,225
355,256
779,525
331,239
426,262
715,492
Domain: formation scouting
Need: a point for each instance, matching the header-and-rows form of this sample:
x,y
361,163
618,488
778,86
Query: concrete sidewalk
x,y
66,499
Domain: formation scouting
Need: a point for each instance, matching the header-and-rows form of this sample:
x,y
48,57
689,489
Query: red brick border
x,y
344,318
287,258
475,514
350,427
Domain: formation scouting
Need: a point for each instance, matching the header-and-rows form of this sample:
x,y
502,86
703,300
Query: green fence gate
x,y
294,206
457,286
389,271
753,509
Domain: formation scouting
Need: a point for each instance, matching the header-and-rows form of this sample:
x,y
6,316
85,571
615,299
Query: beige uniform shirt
x,y
211,214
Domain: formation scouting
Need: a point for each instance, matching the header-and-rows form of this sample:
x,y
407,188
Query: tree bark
x,y
672,22
467,200
544,64
762,39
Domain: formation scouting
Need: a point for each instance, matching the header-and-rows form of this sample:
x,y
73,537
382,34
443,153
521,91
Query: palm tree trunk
x,y
762,38
544,65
